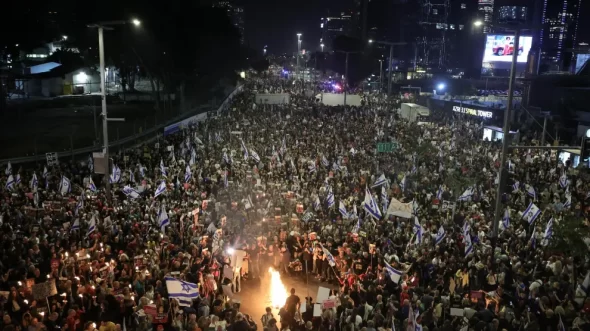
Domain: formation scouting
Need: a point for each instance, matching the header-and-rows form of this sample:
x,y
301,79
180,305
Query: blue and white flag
x,y
325,161
10,183
226,158
335,166
440,235
317,204
218,137
65,186
91,226
402,183
371,206
357,226
439,193
163,220
163,169
533,239
142,171
548,233
131,176
182,291
467,239
394,274
254,156
76,225
530,190
384,198
90,163
329,256
568,200
585,286
116,175
466,195
312,167
45,173
8,170
17,179
418,231
531,213
187,174
79,205
380,181
91,185
330,199
161,189
225,182
342,210
515,186
563,182
130,192
193,158
244,150
34,182
506,219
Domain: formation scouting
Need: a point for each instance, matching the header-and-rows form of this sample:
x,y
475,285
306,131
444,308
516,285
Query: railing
x,y
133,140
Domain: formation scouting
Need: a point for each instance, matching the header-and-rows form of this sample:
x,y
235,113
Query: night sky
x,y
276,23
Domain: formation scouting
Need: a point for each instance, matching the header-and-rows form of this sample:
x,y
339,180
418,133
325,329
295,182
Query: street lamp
x,y
101,26
441,86
389,81
298,52
64,37
322,46
478,23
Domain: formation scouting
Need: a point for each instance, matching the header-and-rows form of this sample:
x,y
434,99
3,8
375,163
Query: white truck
x,y
413,112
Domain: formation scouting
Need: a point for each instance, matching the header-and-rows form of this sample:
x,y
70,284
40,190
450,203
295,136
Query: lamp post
x,y
322,46
380,76
391,44
298,53
345,87
105,130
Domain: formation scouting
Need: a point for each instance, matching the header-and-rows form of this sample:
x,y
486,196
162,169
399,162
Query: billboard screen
x,y
581,60
499,48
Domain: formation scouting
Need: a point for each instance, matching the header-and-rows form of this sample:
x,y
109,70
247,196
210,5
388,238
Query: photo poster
x,y
323,294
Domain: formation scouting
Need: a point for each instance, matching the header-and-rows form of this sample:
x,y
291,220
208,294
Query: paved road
x,y
255,294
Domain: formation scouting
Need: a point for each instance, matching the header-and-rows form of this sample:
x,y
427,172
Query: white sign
x,y
51,159
473,112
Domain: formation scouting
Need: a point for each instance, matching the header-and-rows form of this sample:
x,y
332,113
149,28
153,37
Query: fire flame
x,y
278,292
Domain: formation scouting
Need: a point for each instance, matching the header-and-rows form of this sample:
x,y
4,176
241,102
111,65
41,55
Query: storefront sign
x,y
473,112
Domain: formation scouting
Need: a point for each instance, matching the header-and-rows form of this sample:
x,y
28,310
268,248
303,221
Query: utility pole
x,y
345,87
390,77
298,53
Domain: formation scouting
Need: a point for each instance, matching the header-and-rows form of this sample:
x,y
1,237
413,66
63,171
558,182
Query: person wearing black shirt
x,y
291,307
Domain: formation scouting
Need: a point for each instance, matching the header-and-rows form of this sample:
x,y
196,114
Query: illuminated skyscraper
x,y
558,36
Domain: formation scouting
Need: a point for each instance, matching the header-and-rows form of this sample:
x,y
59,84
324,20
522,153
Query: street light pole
x,y
298,53
390,78
380,76
103,96
346,78
505,140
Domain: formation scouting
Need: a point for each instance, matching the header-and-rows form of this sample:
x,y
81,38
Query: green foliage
x,y
568,236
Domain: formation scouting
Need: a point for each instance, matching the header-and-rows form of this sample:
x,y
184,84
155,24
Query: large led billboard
x,y
499,48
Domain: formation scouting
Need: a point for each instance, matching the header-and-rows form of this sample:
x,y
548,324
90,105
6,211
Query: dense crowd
x,y
400,238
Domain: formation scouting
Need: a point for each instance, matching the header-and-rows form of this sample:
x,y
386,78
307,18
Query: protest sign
x,y
44,290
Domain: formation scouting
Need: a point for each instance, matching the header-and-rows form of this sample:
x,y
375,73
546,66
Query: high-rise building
x,y
335,26
235,13
486,14
559,32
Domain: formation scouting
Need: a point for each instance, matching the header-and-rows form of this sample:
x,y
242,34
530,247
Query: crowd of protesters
x,y
301,188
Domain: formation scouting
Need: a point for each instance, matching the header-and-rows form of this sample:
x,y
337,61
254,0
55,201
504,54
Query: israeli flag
x,y
218,137
172,157
163,169
45,173
531,213
312,167
370,206
36,198
8,170
439,193
563,182
548,233
283,148
244,150
342,210
585,286
466,195
533,239
91,226
161,189
34,182
568,201
79,205
10,183
317,204
440,235
530,190
76,225
182,291
130,192
163,217
225,182
193,158
468,245
394,274
330,199
17,179
91,185
142,171
515,186
131,176
357,226
254,156
325,161
402,184
116,175
335,166
506,219
380,181
187,174
384,198
329,256
65,186
418,231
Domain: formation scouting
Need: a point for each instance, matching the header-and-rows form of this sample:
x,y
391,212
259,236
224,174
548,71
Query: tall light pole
x,y
105,129
322,46
390,59
298,53
380,76
345,87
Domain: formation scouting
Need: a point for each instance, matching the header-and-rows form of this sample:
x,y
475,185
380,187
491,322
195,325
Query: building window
x,y
452,26
434,11
463,6
461,26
